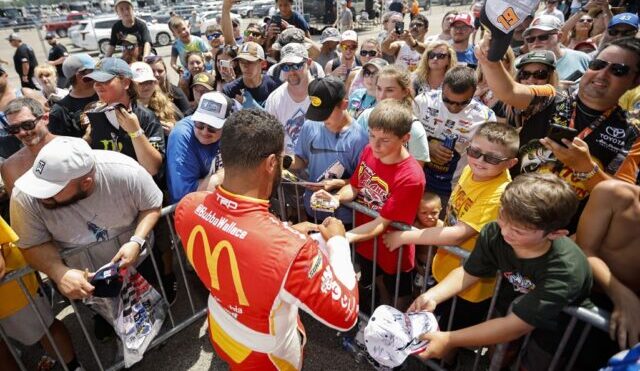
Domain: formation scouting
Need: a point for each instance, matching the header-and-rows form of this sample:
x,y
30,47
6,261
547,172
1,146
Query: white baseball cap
x,y
59,162
349,35
391,335
142,72
213,109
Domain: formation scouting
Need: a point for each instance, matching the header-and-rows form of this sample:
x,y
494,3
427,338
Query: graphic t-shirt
x,y
139,29
407,59
259,94
475,204
289,112
180,49
394,191
330,156
560,277
444,126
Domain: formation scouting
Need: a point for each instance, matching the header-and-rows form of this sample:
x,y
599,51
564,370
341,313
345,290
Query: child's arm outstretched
x,y
439,236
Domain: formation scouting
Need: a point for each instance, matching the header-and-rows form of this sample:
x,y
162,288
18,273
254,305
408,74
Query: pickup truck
x,y
61,25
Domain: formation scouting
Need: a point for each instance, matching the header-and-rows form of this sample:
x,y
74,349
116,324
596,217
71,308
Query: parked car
x,y
94,34
61,25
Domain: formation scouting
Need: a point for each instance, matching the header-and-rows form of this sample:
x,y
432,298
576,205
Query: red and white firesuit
x,y
259,271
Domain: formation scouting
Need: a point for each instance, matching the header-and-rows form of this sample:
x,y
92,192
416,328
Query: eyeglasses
x,y
434,55
292,67
369,73
464,103
201,126
416,25
460,28
538,75
617,69
623,33
489,159
348,47
586,20
248,33
532,39
25,125
214,35
370,53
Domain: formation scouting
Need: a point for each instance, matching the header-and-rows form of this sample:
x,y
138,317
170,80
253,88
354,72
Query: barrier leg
x,y
397,285
492,306
175,242
578,347
13,352
162,290
563,343
83,327
373,274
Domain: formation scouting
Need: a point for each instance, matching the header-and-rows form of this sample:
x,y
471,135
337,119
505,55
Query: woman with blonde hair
x,y
151,96
368,51
438,58
47,78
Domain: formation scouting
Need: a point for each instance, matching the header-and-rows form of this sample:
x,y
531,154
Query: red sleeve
x,y
312,285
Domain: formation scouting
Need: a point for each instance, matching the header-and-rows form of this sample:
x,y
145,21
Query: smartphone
x,y
558,132
399,27
575,76
276,19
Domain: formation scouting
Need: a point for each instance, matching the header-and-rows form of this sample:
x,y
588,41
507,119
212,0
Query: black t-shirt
x,y
259,94
179,99
24,53
560,277
139,29
107,137
58,51
64,117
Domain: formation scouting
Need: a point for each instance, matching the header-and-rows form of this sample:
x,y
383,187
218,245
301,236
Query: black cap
x,y
538,56
324,94
107,281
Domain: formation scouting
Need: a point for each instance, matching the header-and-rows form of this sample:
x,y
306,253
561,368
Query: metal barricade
x,y
196,311
595,317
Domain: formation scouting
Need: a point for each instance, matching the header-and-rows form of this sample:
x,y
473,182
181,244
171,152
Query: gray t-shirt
x,y
571,62
122,190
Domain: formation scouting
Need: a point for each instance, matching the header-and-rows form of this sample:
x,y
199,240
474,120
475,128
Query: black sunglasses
x,y
370,53
416,25
369,73
539,74
454,103
292,66
489,159
214,35
545,37
248,33
202,126
617,69
434,55
129,46
25,125
623,33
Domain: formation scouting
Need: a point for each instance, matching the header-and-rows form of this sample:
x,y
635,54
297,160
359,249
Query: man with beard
x,y
407,45
75,196
27,121
289,102
461,30
267,268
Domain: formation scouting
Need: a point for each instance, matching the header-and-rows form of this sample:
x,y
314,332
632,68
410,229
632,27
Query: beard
x,y
51,204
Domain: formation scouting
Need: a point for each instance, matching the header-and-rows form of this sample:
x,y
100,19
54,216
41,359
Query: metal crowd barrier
x,y
595,317
171,327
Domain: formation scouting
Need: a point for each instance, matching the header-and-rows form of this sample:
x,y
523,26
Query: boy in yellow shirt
x,y
474,202
17,318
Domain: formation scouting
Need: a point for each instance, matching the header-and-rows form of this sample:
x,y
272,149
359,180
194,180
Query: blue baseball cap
x,y
77,62
624,18
108,68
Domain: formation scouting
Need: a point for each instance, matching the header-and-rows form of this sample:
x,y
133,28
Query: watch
x,y
583,177
136,134
138,240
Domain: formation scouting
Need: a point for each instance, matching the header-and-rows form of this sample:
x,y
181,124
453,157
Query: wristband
x,y
138,240
136,134
583,177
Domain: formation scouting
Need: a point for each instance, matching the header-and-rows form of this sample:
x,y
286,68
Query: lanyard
x,y
594,124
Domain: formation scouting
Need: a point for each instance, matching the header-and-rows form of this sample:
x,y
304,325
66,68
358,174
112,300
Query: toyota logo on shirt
x,y
615,132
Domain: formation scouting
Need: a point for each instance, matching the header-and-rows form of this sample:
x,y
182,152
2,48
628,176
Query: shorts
x,y
365,287
24,326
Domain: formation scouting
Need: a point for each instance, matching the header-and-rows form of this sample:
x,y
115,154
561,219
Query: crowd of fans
x,y
421,127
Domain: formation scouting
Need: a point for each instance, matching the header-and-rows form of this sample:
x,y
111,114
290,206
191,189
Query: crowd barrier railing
x,y
173,324
594,317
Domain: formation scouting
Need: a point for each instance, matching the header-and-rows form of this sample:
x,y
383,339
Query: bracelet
x,y
583,177
136,134
138,240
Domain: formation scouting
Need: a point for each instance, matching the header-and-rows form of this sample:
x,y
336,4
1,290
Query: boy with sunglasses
x,y
475,202
185,42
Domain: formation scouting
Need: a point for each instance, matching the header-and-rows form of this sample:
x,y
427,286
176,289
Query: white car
x,y
94,34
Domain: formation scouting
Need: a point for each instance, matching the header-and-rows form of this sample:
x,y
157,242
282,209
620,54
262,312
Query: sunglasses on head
x,y
248,33
201,126
623,33
489,159
292,67
25,125
617,69
539,74
369,73
348,47
454,103
435,55
532,39
214,35
370,53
